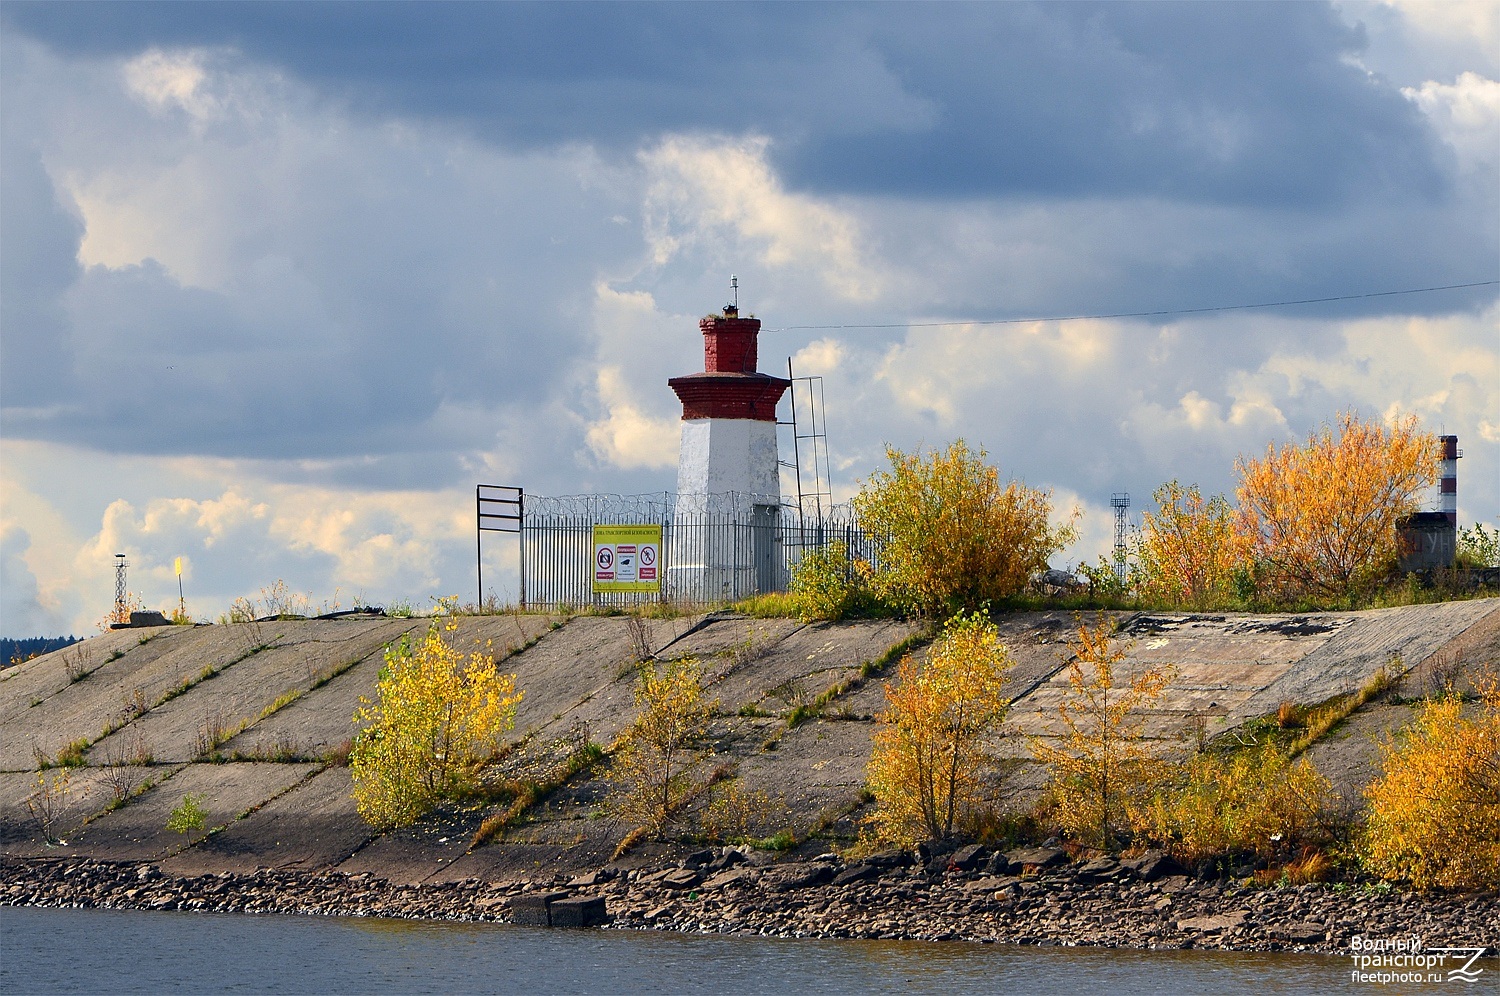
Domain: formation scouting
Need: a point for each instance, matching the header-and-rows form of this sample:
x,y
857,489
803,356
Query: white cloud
x,y
1466,113
166,79
626,437
702,191
1454,20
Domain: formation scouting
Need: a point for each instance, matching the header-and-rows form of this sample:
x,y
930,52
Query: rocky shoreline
x,y
1029,896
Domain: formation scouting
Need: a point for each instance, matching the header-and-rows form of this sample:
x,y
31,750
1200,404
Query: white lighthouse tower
x,y
728,473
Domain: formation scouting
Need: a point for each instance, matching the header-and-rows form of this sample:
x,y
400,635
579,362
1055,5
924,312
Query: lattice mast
x,y
1120,502
122,605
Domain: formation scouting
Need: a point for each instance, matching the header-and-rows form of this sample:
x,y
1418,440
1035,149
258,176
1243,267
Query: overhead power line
x,y
1142,314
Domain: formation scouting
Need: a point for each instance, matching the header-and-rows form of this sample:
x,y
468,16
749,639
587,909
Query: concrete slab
x,y
578,672
830,758
416,853
776,675
323,718
727,635
1227,667
85,794
315,825
136,831
81,709
44,676
1410,634
303,653
522,858
1349,757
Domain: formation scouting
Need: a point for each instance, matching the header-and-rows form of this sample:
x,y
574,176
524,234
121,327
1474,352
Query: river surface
x,y
114,951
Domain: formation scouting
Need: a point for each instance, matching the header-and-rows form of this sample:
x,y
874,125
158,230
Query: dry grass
x,y
1322,720
1290,715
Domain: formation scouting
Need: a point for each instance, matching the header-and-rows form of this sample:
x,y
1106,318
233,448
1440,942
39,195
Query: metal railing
x,y
715,548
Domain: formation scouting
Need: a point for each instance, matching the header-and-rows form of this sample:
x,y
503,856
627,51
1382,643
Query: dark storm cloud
x,y
363,293
1235,103
37,263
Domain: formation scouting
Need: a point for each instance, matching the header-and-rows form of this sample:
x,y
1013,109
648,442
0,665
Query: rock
x,y
534,908
1214,924
969,857
990,883
579,911
681,878
889,859
1301,933
798,876
856,873
732,876
597,877
1060,580
728,859
1154,865
1034,858
1098,869
697,859
929,851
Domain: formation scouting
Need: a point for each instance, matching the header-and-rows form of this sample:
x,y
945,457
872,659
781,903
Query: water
x,y
49,951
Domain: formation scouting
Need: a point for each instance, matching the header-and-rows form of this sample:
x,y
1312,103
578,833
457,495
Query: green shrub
x,y
1478,546
828,584
189,816
71,756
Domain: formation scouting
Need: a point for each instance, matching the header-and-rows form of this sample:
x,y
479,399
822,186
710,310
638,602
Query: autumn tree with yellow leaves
x,y
1101,764
930,741
438,718
954,536
1434,817
653,764
1320,518
1189,549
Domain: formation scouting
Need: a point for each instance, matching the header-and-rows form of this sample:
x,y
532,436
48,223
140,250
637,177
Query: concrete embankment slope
x,y
278,699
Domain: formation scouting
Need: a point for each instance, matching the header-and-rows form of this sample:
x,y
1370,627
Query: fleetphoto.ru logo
x,y
1388,960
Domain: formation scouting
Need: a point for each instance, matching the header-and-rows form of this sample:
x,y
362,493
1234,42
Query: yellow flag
x,y
177,564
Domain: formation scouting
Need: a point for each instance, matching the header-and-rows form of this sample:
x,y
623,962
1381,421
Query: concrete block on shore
x,y
535,909
579,911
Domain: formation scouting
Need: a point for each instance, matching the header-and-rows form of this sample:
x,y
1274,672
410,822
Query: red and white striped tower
x,y
729,416
1448,484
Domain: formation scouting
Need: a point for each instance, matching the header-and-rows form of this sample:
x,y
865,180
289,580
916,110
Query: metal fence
x,y
715,548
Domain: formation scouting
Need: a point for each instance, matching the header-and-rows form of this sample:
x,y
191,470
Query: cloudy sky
x,y
281,283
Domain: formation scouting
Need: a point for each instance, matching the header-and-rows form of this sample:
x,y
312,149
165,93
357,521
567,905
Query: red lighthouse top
x,y
729,386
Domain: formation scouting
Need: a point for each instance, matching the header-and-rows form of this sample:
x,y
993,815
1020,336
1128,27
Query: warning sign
x,y
627,558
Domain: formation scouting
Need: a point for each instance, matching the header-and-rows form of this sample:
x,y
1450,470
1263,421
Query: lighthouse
x,y
729,416
728,471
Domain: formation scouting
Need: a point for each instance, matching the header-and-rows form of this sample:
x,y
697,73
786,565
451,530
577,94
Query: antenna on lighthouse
x,y
734,285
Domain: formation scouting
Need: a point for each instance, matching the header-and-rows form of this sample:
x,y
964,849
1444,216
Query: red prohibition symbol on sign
x,y
648,556
606,558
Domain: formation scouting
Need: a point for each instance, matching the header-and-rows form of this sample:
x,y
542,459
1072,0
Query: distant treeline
x,y
16,651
